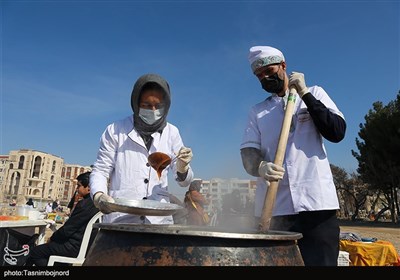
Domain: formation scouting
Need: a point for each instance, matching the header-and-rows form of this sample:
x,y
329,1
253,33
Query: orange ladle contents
x,y
159,161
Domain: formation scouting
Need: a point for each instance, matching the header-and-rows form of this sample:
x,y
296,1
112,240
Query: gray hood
x,y
140,125
137,88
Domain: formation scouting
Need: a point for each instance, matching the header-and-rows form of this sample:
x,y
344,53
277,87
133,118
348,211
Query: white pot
x,y
23,210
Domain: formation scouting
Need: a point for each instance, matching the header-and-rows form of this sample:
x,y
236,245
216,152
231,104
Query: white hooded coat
x,y
122,160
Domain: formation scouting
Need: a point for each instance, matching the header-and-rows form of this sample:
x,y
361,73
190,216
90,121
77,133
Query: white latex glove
x,y
184,157
297,79
99,199
270,171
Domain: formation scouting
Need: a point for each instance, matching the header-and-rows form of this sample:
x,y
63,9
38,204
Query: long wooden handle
x,y
270,196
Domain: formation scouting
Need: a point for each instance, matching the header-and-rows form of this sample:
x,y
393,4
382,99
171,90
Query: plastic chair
x,y
84,246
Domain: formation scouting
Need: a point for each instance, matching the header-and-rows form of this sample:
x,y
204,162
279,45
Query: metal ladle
x,y
159,161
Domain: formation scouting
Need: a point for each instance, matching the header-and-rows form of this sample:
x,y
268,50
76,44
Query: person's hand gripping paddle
x,y
270,196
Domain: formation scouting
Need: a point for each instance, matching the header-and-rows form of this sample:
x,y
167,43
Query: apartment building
x,y
219,189
3,166
38,175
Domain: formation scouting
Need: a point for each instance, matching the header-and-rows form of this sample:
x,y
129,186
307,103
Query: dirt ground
x,y
380,230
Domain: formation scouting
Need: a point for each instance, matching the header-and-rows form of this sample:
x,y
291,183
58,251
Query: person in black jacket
x,y
74,200
66,241
30,202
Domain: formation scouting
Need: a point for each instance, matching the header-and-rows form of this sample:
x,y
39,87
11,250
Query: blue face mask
x,y
150,116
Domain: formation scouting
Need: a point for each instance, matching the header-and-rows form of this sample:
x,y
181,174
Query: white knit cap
x,y
260,56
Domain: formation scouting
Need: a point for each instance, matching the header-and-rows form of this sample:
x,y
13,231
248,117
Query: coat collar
x,y
134,136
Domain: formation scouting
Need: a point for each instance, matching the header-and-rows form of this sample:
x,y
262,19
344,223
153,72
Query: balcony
x,y
35,179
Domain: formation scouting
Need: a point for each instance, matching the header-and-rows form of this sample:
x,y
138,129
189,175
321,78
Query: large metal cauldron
x,y
182,245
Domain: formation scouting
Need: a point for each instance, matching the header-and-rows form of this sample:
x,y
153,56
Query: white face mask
x,y
149,116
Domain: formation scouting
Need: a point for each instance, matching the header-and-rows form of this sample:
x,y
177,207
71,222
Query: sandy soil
x,y
382,231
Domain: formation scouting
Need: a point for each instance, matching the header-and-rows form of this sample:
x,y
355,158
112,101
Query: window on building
x,y
53,167
36,167
21,162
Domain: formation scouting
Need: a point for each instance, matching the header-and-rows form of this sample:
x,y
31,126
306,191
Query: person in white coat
x,y
121,169
306,199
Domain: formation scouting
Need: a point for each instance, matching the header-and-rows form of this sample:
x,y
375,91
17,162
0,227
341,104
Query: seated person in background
x,y
30,202
195,202
13,203
49,209
74,200
231,202
66,241
54,206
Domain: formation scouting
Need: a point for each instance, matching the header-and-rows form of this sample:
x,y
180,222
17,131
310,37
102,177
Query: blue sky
x,y
68,67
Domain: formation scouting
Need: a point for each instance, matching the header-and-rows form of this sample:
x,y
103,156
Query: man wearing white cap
x,y
306,200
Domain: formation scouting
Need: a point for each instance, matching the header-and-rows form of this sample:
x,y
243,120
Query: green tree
x,y
379,146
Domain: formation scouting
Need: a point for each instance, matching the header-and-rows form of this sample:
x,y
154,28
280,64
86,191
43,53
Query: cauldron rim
x,y
201,231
